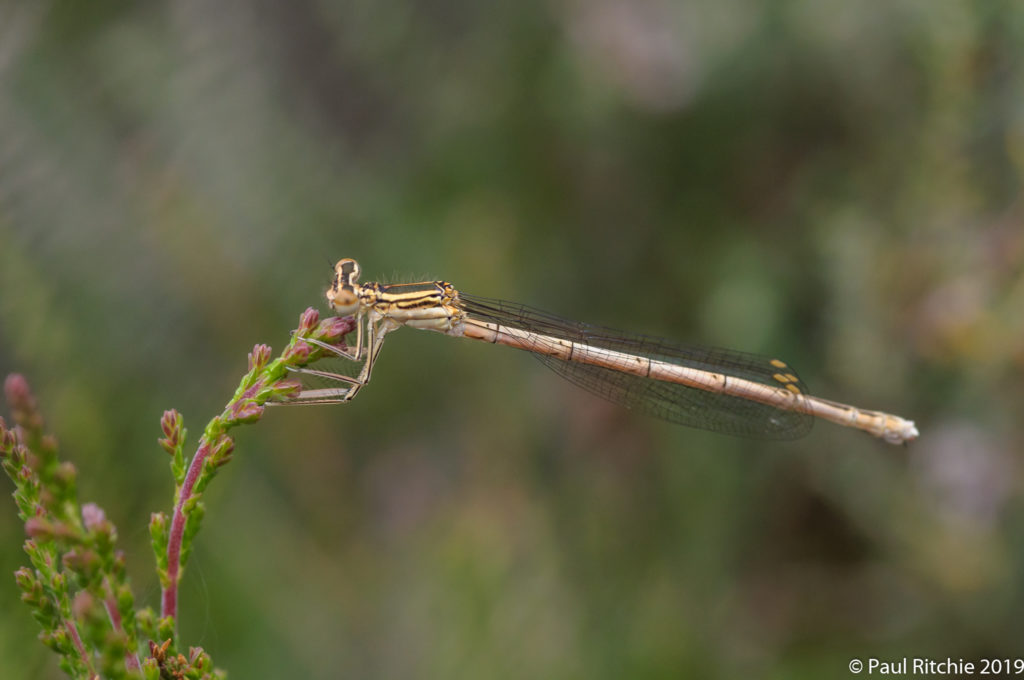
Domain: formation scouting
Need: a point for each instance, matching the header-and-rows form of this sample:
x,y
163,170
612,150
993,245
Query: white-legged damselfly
x,y
714,389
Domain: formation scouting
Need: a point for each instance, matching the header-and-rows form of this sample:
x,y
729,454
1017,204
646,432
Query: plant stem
x,y
266,381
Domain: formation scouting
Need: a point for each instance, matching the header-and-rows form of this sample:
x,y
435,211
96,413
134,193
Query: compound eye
x,y
347,271
342,300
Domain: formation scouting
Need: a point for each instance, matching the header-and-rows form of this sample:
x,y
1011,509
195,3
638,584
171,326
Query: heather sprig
x,y
266,381
76,585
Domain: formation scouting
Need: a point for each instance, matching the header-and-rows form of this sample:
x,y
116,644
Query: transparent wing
x,y
669,401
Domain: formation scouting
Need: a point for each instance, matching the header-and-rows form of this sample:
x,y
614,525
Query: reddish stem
x,y
72,630
131,658
169,599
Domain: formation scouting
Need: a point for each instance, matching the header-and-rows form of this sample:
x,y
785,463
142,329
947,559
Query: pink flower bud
x,y
297,353
246,412
170,423
18,393
37,527
308,320
93,516
221,449
333,329
259,357
286,389
25,579
82,604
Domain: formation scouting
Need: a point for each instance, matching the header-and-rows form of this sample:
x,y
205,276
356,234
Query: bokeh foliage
x,y
835,183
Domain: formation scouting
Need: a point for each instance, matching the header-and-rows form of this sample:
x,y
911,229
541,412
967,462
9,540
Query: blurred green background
x,y
834,183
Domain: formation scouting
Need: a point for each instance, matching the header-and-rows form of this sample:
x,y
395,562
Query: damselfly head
x,y
342,295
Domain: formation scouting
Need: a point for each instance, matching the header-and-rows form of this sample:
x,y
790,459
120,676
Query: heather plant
x,y
76,583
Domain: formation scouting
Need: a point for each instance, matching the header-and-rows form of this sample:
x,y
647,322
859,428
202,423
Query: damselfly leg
x,y
367,349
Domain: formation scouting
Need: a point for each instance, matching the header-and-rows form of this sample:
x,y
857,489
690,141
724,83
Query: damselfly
x,y
714,389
